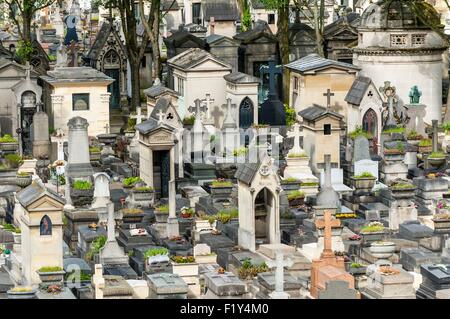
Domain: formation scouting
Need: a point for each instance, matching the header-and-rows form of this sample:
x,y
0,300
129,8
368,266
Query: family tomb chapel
x,y
42,233
259,203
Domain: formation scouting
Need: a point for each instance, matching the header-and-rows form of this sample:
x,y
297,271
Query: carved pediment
x,y
161,137
45,203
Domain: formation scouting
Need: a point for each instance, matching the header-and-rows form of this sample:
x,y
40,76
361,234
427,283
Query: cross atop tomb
x,y
208,103
328,94
295,133
106,127
327,223
197,109
272,70
279,263
138,116
160,115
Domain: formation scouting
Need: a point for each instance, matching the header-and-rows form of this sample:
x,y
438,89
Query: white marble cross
x,y
295,133
138,115
229,118
106,127
209,104
197,109
279,265
161,116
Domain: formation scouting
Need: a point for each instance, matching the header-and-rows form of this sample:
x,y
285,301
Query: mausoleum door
x,y
161,172
262,216
114,88
370,125
246,113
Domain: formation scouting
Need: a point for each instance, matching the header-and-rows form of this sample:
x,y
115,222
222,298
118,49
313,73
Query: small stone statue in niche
x,y
414,95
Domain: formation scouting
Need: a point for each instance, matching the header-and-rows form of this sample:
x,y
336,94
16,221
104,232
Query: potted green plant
x,y
162,213
130,182
221,187
131,123
187,212
22,292
425,146
15,231
94,249
357,269
81,192
143,195
395,133
23,179
296,198
437,159
94,153
414,138
364,180
248,270
13,161
8,143
156,257
51,274
374,231
402,189
132,215
184,266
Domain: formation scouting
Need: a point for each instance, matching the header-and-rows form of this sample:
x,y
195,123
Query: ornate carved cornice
x,y
397,51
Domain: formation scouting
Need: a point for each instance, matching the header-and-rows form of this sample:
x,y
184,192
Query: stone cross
x,y
106,128
229,119
138,115
389,92
295,133
327,222
272,70
160,115
98,281
111,223
197,109
279,265
328,94
208,105
435,135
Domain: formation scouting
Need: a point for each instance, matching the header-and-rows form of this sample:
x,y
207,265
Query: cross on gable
x,y
328,94
327,223
272,70
160,115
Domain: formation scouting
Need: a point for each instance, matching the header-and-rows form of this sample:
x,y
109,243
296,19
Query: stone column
x,y
172,221
79,163
41,143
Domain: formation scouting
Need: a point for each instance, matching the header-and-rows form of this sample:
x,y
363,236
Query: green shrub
x,y
130,181
50,269
95,149
183,259
398,129
96,245
189,120
359,131
291,117
7,139
249,270
295,195
425,142
413,135
163,209
82,185
356,265
12,228
155,252
372,227
13,160
221,183
363,175
437,155
131,123
446,126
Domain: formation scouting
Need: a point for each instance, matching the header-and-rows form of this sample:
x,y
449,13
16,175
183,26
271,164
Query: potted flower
x,y
357,269
162,213
184,266
248,270
296,198
425,146
23,179
364,180
82,192
94,153
51,274
156,257
437,159
187,212
22,292
8,143
401,189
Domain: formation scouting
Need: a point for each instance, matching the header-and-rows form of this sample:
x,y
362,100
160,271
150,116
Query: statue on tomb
x,y
414,95
61,54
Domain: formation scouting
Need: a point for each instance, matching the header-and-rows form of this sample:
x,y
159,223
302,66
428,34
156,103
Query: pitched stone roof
x,y
36,190
75,74
221,10
180,36
358,89
246,172
100,41
241,78
261,28
169,5
313,62
314,112
157,90
192,57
